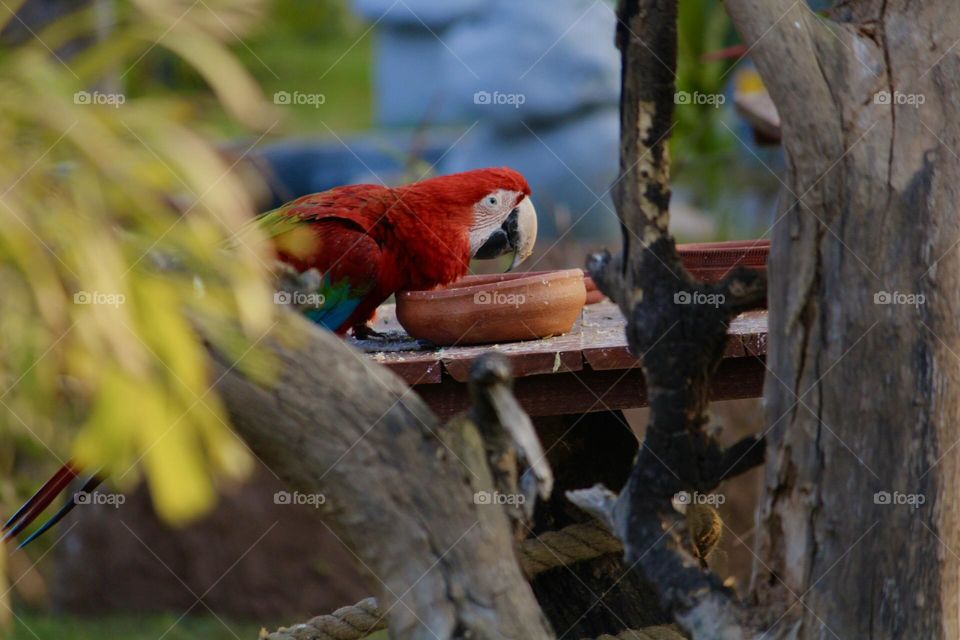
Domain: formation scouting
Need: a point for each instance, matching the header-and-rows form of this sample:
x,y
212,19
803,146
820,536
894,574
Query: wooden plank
x,y
415,367
590,391
604,341
531,357
749,331
418,371
401,354
605,345
597,339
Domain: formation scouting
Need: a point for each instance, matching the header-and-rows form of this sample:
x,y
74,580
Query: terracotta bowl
x,y
710,261
495,308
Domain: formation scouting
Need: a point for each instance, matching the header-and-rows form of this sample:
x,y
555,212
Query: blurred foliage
x,y
338,49
114,214
129,627
710,165
311,47
143,627
703,27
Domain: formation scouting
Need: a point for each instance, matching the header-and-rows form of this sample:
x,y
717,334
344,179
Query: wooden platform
x,y
589,369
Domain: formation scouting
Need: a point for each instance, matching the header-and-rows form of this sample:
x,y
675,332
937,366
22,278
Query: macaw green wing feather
x,y
276,222
350,262
336,303
334,232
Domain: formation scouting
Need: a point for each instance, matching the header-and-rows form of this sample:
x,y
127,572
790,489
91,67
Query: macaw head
x,y
504,218
493,205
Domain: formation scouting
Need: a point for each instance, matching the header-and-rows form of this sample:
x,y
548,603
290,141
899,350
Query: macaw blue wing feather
x,y
335,303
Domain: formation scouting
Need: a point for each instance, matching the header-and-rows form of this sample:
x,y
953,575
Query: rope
x,y
365,617
347,623
360,620
660,632
561,548
536,555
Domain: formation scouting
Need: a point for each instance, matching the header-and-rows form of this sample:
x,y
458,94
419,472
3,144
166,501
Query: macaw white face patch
x,y
489,214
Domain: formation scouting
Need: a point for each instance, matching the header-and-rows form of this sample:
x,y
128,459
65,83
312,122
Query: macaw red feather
x,y
381,240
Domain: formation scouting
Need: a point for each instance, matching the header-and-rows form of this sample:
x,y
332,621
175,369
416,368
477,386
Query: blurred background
x,y
119,116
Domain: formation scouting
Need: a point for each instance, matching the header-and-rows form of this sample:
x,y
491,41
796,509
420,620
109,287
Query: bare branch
x,y
679,328
786,41
399,486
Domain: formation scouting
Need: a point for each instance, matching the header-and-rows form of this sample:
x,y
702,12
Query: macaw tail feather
x,y
39,501
92,483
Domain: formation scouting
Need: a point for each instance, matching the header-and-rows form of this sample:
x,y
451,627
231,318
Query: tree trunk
x,y
398,487
863,396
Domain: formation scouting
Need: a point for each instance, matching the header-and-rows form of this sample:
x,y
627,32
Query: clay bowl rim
x,y
458,289
725,246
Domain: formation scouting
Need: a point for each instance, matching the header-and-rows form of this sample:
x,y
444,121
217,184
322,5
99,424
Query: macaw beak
x,y
524,233
517,234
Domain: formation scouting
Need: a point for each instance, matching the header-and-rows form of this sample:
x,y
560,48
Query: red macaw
x,y
369,242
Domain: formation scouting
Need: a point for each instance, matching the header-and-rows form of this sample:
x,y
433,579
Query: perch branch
x,y
396,490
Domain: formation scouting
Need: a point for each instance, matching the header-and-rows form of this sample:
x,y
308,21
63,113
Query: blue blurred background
x,y
421,87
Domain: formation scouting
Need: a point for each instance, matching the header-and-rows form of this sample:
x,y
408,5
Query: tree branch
x,y
787,42
678,327
399,487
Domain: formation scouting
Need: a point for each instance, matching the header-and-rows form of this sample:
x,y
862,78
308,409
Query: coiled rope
x,y
550,550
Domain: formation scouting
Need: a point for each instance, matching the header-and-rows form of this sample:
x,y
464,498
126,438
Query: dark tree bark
x,y
862,397
678,327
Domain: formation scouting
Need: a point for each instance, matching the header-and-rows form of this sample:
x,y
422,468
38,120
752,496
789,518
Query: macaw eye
x,y
492,201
